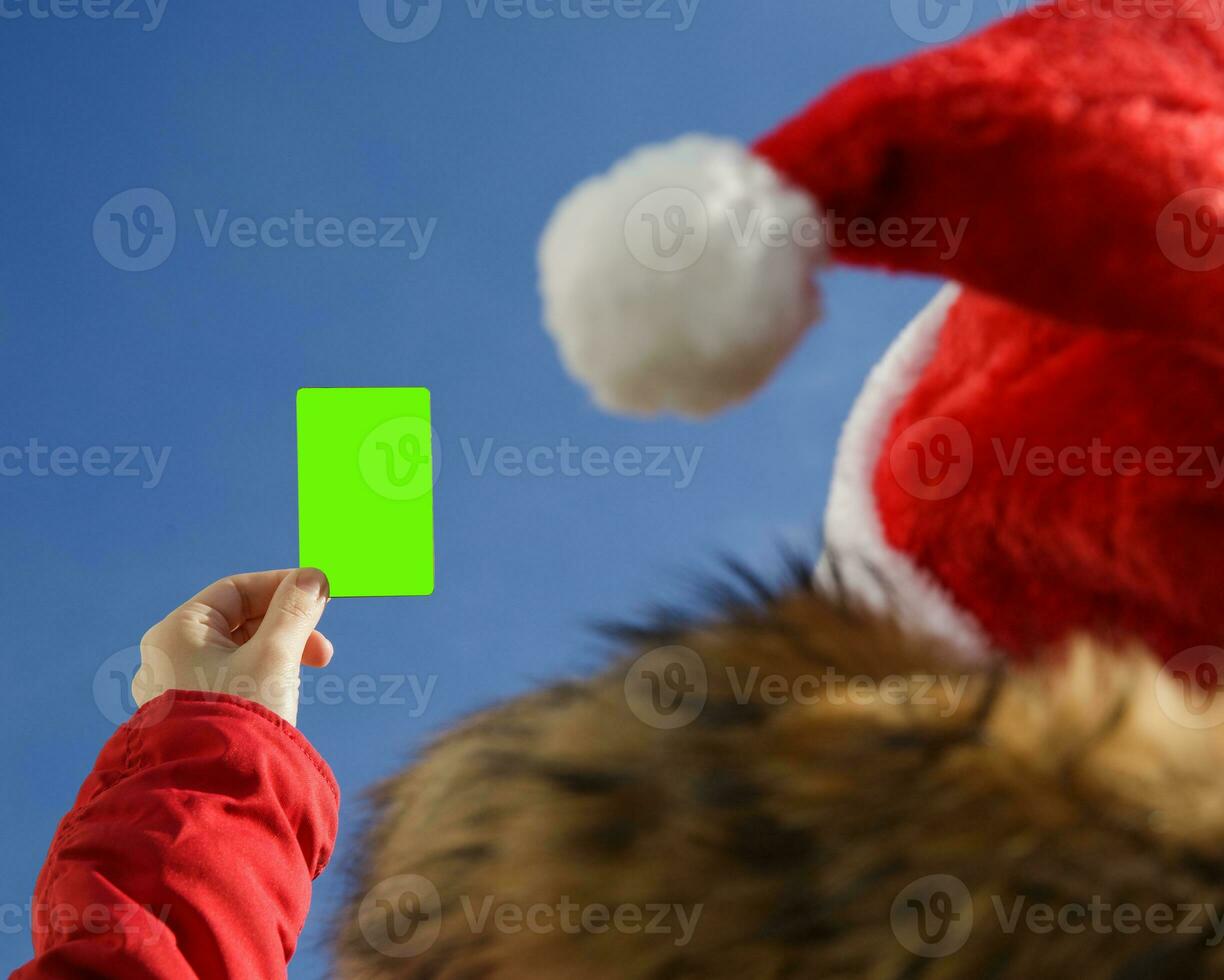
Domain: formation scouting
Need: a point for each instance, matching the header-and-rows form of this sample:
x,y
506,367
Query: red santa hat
x,y
1042,450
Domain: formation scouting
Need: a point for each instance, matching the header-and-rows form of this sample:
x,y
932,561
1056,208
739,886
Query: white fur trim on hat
x,y
680,280
867,566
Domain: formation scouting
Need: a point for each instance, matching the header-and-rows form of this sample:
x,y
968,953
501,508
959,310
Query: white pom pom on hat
x,y
1063,166
678,281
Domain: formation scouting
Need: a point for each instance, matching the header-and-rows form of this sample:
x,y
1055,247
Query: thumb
x,y
294,612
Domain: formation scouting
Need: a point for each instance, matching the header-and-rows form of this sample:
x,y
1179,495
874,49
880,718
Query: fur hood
x,y
796,789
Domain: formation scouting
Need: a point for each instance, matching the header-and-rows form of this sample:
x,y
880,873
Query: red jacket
x,y
190,850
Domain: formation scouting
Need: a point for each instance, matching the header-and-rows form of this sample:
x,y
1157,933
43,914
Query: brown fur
x,y
796,827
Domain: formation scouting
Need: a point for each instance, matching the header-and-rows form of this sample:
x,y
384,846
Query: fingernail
x,y
313,581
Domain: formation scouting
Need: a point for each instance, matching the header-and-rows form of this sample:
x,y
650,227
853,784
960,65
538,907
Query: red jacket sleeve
x,y
190,850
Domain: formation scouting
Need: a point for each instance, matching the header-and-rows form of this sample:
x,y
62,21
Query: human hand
x,y
246,635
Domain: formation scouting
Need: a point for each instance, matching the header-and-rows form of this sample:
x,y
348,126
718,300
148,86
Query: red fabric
x,y
1128,547
1062,134
190,849
1082,146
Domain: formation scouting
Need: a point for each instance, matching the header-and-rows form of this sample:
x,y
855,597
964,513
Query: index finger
x,y
238,598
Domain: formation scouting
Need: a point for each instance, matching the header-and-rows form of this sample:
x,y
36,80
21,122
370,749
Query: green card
x,y
365,489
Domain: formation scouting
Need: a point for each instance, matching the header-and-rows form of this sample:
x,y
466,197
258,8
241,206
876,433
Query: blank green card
x,y
365,489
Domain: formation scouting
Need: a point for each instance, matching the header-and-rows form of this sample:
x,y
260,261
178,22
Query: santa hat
x,y
1065,169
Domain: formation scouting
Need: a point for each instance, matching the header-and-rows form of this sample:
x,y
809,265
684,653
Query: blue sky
x,y
469,134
